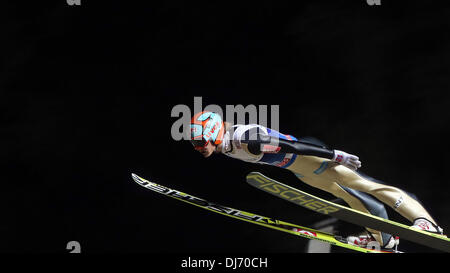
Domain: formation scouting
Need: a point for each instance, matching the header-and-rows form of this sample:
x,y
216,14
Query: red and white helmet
x,y
206,127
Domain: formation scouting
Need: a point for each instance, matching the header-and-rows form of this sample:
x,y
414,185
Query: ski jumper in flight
x,y
333,171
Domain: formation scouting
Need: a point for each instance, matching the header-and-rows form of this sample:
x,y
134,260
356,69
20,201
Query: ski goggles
x,y
199,143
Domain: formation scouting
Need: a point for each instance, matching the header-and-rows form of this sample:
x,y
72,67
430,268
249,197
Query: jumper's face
x,y
206,150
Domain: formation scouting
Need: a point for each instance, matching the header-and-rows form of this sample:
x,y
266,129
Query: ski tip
x,y
135,177
139,179
253,173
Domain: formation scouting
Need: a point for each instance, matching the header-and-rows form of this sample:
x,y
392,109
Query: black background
x,y
87,92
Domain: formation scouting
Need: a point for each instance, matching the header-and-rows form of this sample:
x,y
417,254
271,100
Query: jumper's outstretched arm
x,y
267,144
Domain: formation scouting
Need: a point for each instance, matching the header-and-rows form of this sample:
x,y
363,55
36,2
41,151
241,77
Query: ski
x,y
347,214
253,218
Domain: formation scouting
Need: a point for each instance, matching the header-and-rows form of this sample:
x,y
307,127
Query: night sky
x,y
86,94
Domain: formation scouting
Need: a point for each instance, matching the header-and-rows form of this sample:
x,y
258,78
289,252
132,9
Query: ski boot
x,y
366,240
426,225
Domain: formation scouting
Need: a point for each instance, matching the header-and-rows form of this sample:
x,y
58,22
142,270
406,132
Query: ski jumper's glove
x,y
348,160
